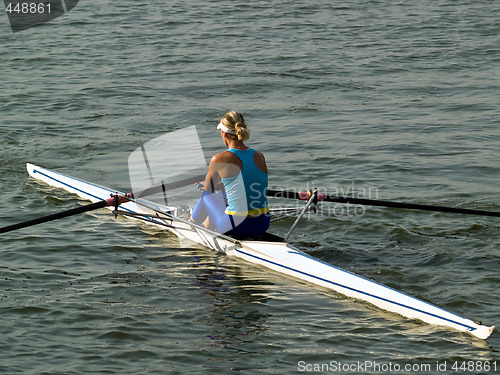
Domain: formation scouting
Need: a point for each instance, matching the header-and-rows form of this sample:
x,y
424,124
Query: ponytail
x,y
234,121
242,131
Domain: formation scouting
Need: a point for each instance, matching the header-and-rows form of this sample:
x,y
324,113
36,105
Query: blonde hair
x,y
235,121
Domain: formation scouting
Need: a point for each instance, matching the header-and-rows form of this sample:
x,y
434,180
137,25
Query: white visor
x,y
224,128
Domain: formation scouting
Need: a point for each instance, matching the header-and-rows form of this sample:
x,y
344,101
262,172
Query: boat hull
x,y
278,256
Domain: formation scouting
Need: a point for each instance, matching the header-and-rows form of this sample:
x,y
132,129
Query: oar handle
x,y
301,195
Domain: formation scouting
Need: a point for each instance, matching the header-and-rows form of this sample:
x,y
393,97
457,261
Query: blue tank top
x,y
247,191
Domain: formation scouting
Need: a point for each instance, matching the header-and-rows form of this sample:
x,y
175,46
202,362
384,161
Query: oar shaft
x,y
380,203
59,215
170,186
409,206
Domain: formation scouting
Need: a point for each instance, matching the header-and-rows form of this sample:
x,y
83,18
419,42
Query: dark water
x,y
389,99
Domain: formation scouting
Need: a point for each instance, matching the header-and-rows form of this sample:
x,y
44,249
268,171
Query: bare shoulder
x,y
260,161
221,157
259,156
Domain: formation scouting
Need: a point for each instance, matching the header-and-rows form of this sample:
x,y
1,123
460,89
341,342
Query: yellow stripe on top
x,y
252,212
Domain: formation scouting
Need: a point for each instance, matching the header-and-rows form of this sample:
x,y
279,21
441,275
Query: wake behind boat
x,y
269,251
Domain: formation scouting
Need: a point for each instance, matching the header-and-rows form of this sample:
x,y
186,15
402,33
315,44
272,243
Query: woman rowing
x,y
234,200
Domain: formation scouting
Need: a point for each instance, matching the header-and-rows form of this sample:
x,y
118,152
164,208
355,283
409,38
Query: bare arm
x,y
212,179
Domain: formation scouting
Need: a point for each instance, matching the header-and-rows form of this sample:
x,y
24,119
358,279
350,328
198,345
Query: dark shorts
x,y
213,205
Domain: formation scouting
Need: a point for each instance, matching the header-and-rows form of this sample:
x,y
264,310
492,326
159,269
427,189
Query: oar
x,y
381,203
113,201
